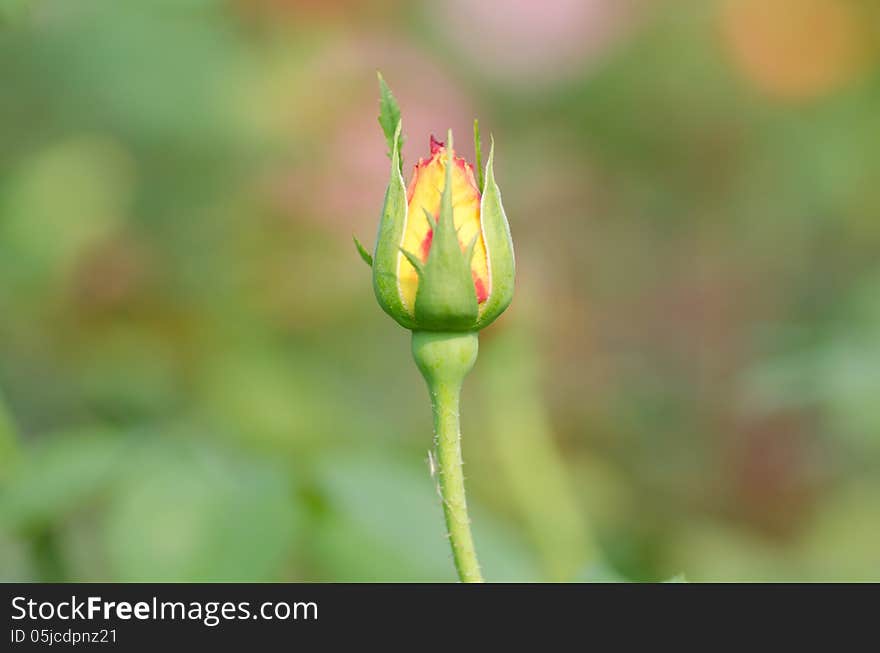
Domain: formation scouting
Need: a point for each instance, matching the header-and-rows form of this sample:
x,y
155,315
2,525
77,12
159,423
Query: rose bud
x,y
444,258
443,267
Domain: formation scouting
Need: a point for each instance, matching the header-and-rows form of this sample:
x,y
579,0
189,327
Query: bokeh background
x,y
197,383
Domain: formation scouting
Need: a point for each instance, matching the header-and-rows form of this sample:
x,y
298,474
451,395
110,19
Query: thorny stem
x,y
444,360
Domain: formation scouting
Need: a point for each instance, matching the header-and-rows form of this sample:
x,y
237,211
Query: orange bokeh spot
x,y
795,49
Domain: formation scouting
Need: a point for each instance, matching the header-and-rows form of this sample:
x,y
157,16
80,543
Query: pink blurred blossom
x,y
527,40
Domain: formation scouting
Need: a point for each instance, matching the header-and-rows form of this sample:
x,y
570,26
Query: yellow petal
x,y
428,182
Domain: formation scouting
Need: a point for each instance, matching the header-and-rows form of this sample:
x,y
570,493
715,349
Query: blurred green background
x,y
197,383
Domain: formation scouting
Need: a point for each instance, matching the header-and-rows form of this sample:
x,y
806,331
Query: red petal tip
x,y
435,145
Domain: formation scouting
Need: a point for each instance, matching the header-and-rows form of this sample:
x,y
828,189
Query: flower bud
x,y
443,259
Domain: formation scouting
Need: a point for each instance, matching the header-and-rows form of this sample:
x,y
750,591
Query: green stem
x,y
444,360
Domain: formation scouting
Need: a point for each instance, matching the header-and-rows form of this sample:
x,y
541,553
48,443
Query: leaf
x,y
389,116
363,251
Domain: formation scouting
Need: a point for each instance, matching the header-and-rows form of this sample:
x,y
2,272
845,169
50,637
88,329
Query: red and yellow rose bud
x,y
423,198
442,266
444,258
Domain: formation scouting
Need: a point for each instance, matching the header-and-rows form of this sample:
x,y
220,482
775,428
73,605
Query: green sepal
x,y
469,250
499,248
429,218
386,255
446,299
389,118
414,261
368,259
478,154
